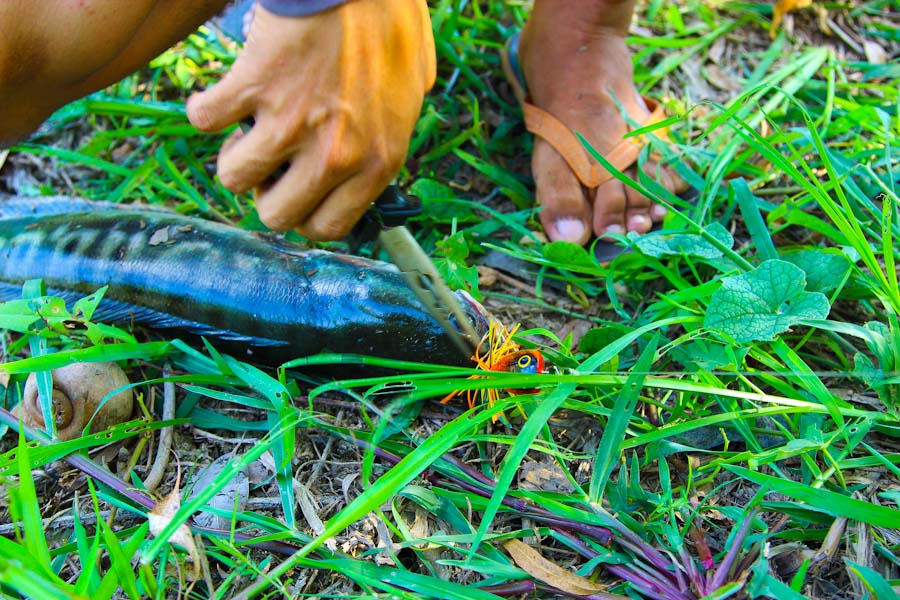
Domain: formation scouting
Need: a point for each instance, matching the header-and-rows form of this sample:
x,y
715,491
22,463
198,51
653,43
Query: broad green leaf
x,y
661,243
865,369
709,355
86,306
431,189
567,254
453,267
825,269
763,303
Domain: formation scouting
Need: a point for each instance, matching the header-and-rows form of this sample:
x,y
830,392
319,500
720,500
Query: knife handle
x,y
391,208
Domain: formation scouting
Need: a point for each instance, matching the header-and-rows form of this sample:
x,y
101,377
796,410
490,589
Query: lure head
x,y
521,361
529,362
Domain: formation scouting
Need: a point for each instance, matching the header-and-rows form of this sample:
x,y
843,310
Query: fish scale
x,y
166,271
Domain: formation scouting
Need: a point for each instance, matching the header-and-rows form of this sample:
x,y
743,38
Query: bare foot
x,y
577,68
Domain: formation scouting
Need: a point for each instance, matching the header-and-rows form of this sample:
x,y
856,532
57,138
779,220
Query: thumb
x,y
221,105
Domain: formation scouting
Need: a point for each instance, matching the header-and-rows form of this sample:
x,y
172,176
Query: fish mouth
x,y
478,316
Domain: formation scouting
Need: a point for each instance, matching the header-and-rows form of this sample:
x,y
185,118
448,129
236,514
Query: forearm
x,y
54,51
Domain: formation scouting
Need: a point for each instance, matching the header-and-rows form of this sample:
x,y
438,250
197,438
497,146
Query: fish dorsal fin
x,y
12,207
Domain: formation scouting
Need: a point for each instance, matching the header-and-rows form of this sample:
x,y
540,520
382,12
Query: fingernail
x,y
614,229
570,230
658,212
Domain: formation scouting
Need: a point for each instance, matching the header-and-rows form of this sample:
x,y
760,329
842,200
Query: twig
x,y
161,462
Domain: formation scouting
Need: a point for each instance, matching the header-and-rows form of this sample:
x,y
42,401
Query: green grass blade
x,y
609,450
833,503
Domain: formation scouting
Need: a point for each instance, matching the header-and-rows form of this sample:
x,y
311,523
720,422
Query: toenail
x,y
639,223
570,229
614,229
657,211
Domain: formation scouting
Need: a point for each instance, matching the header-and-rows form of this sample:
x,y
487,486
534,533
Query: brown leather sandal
x,y
590,173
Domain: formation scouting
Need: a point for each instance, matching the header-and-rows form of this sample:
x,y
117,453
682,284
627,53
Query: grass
x,y
723,425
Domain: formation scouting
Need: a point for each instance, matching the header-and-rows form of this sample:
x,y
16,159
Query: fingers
x,y
335,217
253,157
323,209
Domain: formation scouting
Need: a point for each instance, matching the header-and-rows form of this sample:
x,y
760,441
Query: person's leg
x,y
54,51
575,62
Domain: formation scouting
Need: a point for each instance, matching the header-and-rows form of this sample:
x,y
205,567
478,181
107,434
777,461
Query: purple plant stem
x,y
642,580
662,580
107,478
679,572
693,575
654,557
646,588
515,588
579,546
724,569
82,463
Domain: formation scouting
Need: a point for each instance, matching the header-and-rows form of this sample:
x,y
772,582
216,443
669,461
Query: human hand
x,y
335,94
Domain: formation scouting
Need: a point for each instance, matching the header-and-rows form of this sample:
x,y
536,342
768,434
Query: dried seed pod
x,y
78,390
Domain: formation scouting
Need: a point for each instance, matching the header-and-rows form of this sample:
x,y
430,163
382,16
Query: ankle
x,y
582,20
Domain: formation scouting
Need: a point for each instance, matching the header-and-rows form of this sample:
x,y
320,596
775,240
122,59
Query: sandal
x,y
589,172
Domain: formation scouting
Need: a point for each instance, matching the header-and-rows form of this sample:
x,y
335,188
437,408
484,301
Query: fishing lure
x,y
267,301
498,352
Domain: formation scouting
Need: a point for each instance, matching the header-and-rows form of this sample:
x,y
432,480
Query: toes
x,y
638,216
566,214
610,202
665,176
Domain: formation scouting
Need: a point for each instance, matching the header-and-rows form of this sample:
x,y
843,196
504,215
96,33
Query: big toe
x,y
566,213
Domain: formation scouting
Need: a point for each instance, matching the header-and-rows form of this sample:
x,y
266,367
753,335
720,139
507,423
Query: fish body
x,y
276,301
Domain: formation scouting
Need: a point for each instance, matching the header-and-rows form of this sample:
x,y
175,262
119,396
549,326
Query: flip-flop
x,y
589,172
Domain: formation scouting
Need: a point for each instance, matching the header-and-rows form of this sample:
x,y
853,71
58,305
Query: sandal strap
x,y
591,173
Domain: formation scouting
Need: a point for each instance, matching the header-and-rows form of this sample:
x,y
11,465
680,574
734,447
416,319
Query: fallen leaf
x,y
530,560
232,497
875,54
544,476
486,276
160,236
722,79
781,8
161,516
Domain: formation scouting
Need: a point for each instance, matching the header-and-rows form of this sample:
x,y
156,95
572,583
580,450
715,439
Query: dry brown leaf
x,y
162,515
722,79
530,560
544,476
486,276
781,8
875,54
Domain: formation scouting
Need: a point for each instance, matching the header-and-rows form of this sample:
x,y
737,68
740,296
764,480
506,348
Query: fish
x,y
261,299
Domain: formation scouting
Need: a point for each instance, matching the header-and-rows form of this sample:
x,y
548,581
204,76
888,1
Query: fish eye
x,y
524,361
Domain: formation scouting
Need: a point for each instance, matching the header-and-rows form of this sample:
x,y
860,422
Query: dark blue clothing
x,y
298,8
